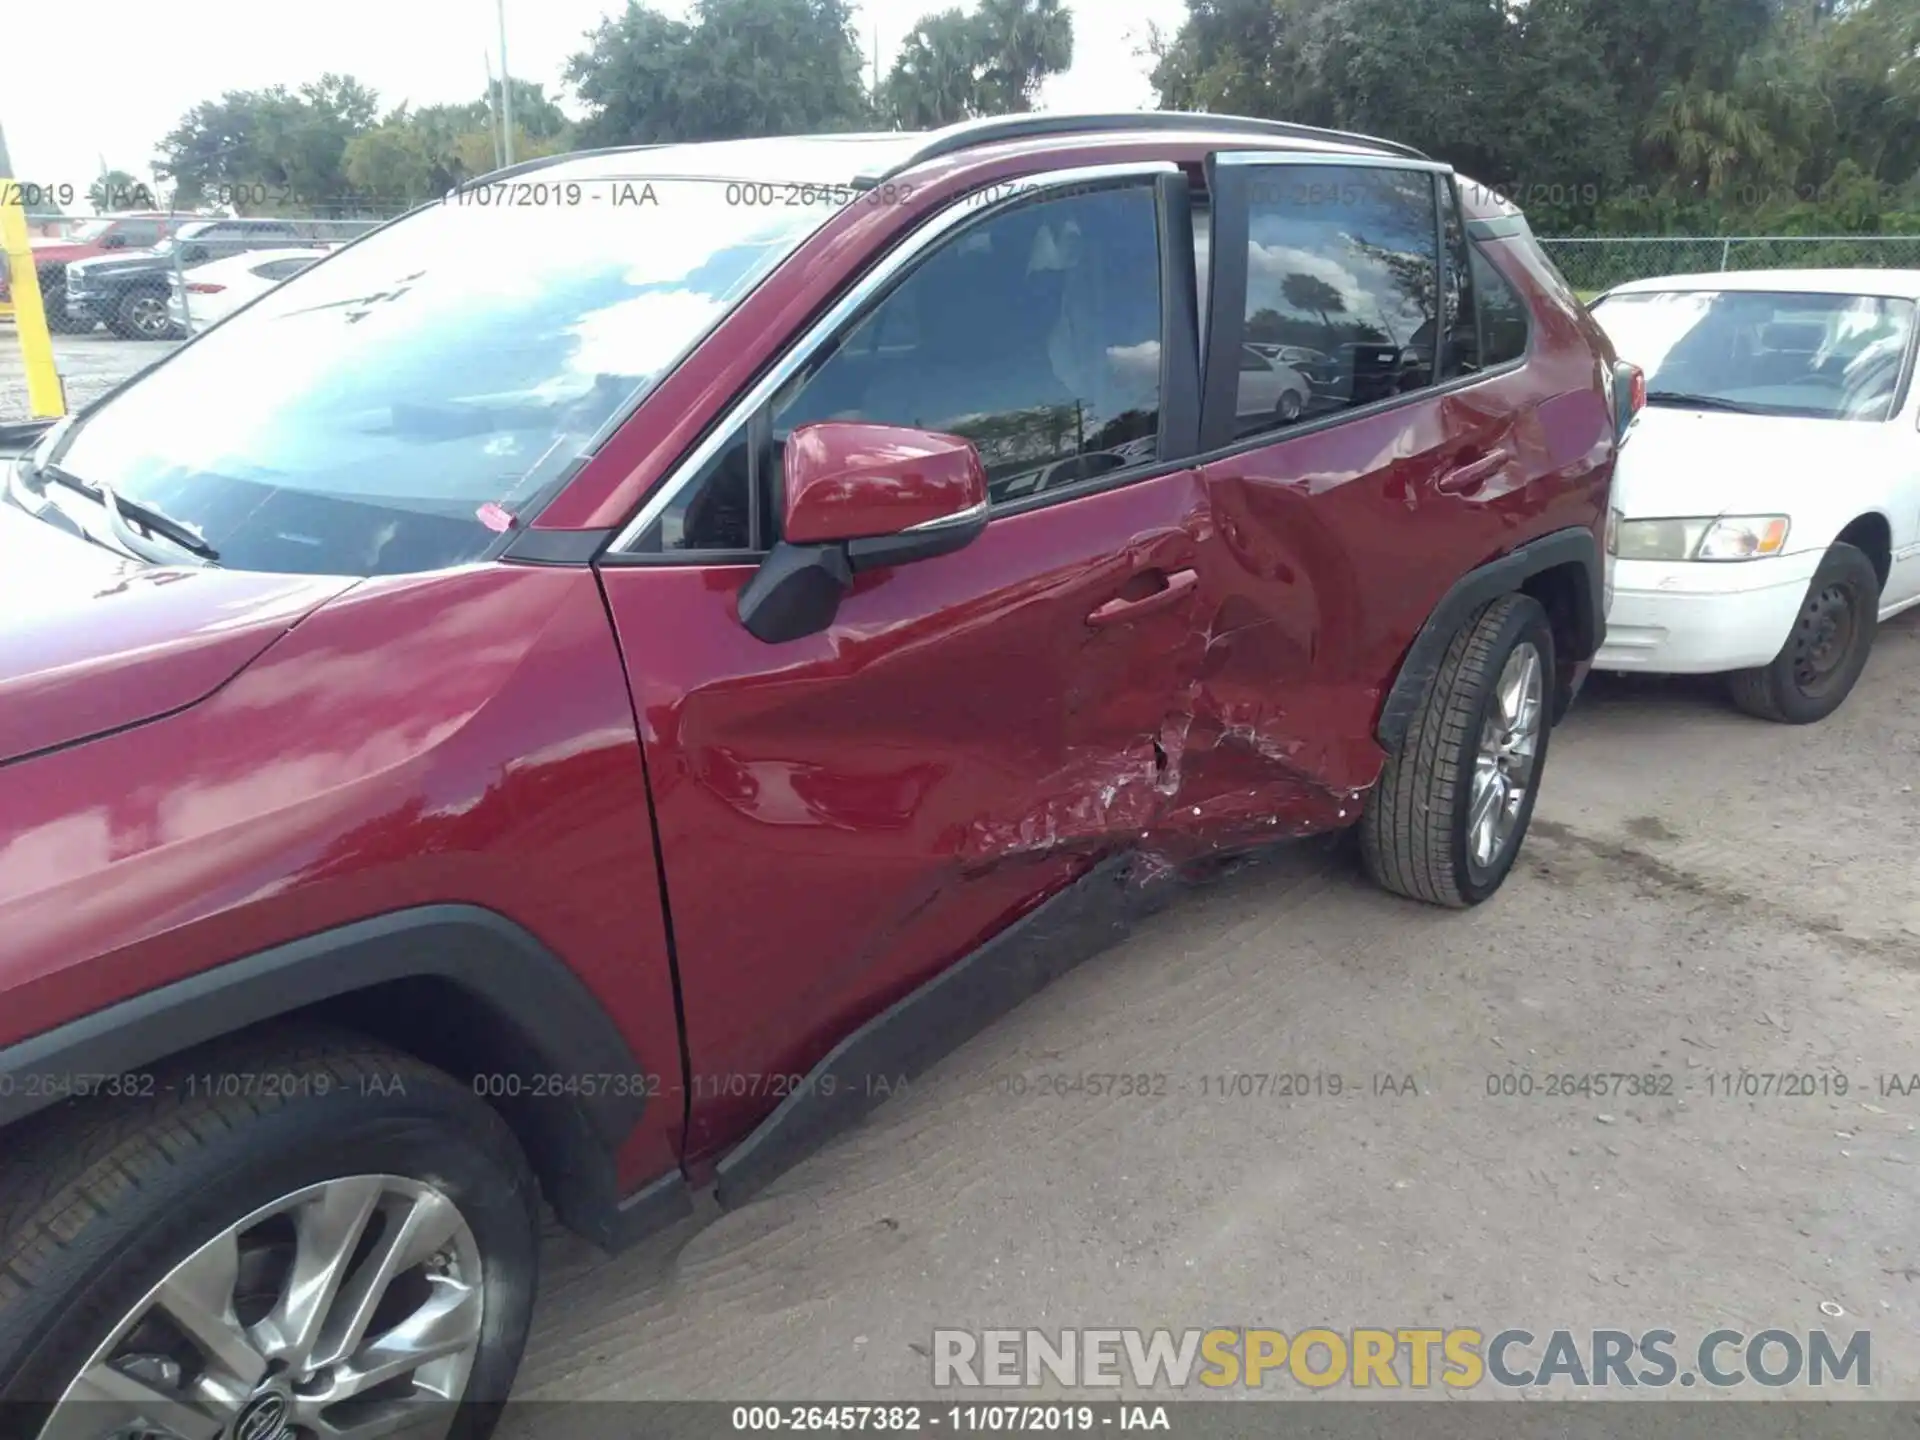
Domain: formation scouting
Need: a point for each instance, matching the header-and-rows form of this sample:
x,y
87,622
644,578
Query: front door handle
x,y
1467,478
1118,611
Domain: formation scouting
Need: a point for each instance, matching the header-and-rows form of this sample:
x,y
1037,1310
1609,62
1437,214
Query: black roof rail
x,y
990,129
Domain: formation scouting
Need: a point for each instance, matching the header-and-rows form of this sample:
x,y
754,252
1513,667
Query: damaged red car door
x,y
844,814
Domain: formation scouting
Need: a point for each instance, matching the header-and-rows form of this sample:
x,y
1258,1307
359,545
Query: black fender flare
x,y
532,1014
1575,545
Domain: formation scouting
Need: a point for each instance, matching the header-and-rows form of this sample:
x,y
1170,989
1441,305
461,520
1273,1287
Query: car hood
x,y
91,642
1696,462
116,261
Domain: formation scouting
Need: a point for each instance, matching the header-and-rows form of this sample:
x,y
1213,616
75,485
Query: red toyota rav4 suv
x,y
475,733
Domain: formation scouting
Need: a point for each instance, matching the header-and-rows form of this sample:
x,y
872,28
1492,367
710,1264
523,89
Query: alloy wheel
x,y
329,1314
1504,764
148,316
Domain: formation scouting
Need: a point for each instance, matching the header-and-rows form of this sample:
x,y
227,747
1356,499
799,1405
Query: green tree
x,y
269,149
957,65
935,78
416,154
738,68
1024,41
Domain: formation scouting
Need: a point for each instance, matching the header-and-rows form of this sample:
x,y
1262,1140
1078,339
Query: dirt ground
x,y
1702,894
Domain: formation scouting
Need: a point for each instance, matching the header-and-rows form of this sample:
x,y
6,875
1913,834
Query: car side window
x,y
1342,278
1034,332
138,234
1503,315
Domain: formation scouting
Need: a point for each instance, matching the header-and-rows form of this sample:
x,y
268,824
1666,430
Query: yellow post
x,y
46,397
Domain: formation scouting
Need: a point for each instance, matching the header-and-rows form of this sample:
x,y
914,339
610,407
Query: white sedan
x,y
1767,502
220,287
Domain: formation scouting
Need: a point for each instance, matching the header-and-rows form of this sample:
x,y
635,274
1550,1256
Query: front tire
x,y
316,1228
1826,650
1446,819
142,315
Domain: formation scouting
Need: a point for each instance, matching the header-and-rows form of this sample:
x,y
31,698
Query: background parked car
x,y
83,239
215,290
128,292
1270,387
1768,509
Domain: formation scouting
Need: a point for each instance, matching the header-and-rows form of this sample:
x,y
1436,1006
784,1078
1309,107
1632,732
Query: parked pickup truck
x,y
136,230
127,291
591,727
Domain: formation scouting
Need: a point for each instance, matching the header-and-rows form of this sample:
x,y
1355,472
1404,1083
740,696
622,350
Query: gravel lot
x,y
89,365
1702,893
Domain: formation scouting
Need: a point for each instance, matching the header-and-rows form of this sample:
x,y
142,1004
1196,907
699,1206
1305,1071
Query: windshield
x,y
390,409
85,232
1824,356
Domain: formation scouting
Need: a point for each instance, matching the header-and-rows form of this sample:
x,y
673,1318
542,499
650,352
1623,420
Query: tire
x,y
1288,406
103,1199
1414,832
1826,650
53,299
141,314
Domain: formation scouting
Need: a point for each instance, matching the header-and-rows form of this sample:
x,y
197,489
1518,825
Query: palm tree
x,y
954,66
1707,139
1024,42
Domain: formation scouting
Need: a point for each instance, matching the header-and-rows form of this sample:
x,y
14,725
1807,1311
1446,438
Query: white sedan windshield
x,y
383,411
1822,356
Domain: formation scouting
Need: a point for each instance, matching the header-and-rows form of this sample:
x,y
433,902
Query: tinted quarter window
x,y
1503,315
714,512
1341,287
1034,333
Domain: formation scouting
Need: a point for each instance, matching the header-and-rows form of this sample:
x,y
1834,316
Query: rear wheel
x,y
1447,816
318,1237
1825,652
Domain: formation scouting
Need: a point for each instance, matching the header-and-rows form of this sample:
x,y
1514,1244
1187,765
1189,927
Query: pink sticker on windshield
x,y
494,518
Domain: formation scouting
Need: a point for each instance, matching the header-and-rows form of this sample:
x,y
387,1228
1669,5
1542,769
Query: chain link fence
x,y
1593,263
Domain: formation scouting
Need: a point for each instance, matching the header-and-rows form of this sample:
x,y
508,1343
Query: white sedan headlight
x,y
1726,537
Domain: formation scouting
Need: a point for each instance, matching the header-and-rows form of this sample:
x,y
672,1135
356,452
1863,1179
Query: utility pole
x,y
493,112
506,84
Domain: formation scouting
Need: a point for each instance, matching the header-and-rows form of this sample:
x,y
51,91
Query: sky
x,y
159,60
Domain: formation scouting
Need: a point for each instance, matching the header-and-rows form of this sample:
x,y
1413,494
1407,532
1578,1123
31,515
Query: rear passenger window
x,y
1342,280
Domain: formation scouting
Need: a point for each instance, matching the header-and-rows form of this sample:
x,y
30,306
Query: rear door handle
x,y
1118,611
1467,478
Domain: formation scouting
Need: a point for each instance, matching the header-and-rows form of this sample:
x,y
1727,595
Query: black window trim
x,y
1178,381
1226,320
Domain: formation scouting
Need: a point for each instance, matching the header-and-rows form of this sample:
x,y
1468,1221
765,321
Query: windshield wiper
x,y
177,533
1687,400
